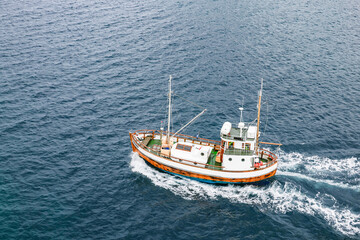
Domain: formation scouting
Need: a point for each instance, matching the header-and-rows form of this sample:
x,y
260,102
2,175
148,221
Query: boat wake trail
x,y
317,180
343,173
279,197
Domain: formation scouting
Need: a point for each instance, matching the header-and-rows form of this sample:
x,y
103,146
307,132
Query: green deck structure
x,y
154,142
212,161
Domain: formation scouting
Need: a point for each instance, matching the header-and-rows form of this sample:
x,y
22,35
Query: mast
x,y
241,124
169,114
258,119
241,110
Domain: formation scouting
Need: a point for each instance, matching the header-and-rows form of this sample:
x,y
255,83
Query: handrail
x,y
236,151
178,135
139,142
232,137
271,155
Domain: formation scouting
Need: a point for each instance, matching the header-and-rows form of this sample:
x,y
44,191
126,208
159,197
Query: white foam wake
x,y
278,197
343,173
348,167
326,181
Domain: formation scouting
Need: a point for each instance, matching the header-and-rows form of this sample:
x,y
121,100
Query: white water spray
x,y
278,197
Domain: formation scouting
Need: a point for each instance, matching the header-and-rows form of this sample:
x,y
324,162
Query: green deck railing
x,y
238,152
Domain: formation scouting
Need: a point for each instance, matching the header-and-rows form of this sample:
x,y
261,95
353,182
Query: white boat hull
x,y
201,173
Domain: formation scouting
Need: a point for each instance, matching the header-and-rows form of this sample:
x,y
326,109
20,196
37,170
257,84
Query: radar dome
x,y
225,130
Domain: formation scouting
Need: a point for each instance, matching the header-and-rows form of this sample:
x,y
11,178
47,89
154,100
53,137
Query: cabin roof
x,y
235,135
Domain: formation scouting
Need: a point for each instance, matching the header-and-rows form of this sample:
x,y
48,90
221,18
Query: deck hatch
x,y
183,147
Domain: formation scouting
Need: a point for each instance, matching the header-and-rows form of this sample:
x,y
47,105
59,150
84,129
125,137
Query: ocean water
x,y
77,76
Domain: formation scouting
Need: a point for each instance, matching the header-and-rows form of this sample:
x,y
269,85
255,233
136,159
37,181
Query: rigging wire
x,y
267,115
177,115
197,105
278,140
174,117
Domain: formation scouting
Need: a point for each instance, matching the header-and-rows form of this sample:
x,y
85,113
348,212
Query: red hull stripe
x,y
205,177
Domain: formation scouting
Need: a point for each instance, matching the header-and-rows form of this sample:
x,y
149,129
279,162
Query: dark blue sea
x,y
77,76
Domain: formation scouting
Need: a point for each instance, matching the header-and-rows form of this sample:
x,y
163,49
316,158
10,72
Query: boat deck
x,y
212,161
153,142
264,160
155,145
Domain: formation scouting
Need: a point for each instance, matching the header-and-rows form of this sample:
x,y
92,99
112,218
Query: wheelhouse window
x,y
183,147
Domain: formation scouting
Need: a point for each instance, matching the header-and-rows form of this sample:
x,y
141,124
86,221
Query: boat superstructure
x,y
237,158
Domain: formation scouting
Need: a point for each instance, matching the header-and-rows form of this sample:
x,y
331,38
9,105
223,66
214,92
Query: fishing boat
x,y
236,158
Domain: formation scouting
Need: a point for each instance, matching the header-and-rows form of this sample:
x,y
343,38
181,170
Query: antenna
x,y
241,110
241,124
